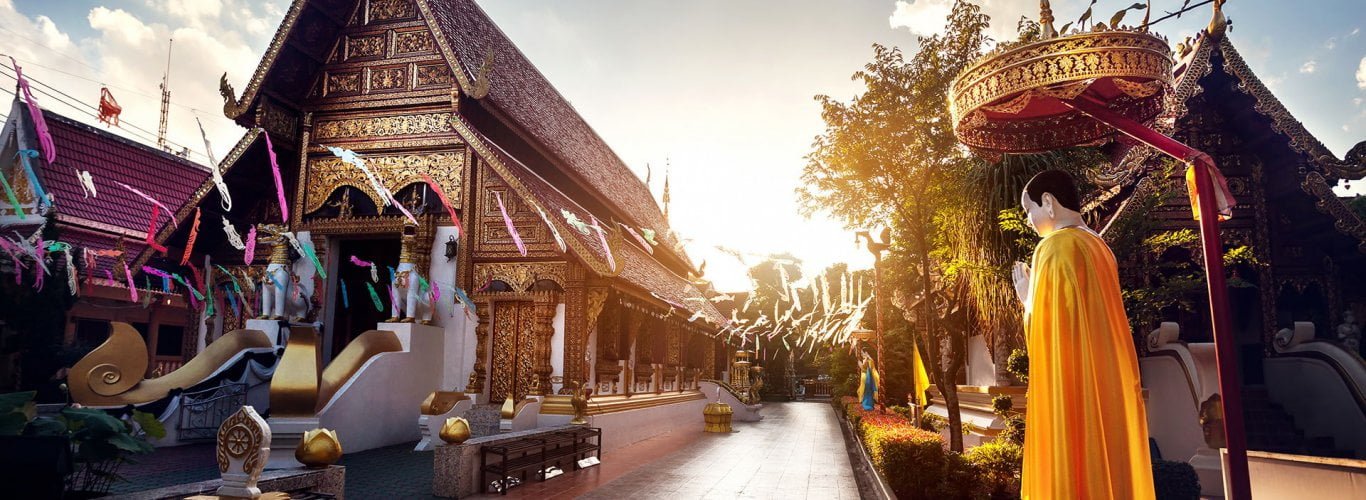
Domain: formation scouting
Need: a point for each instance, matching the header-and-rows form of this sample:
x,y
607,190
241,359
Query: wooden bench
x,y
533,455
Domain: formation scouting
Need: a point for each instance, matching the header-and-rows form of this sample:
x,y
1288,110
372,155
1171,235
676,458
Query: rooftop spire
x,y
1046,29
667,168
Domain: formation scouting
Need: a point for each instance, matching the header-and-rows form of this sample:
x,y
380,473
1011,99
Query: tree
x,y
889,156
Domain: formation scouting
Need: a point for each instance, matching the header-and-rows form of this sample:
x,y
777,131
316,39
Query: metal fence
x,y
202,412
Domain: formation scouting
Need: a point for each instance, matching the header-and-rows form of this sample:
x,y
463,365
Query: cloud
x,y
1361,74
126,51
927,17
1331,43
1309,66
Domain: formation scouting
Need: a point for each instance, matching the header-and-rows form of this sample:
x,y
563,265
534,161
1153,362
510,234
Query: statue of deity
x,y
275,285
406,286
1349,334
1083,370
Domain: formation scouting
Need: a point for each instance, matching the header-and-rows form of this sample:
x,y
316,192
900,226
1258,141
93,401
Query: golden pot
x,y
717,417
455,431
318,448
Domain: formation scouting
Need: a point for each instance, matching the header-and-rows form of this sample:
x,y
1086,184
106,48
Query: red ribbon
x,y
151,232
189,244
445,202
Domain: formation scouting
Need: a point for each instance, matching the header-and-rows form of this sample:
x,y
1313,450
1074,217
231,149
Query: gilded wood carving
x,y
383,126
326,174
520,275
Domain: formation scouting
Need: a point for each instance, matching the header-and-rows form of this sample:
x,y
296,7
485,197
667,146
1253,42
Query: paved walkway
x,y
796,452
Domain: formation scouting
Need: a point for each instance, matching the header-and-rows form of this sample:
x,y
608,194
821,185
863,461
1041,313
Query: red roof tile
x,y
112,159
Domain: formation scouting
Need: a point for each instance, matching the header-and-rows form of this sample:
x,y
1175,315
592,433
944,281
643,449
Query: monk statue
x,y
1086,431
275,284
406,286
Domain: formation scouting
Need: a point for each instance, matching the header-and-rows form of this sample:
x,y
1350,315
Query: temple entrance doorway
x,y
356,313
514,344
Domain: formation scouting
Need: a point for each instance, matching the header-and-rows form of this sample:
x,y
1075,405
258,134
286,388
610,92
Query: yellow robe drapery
x,y
1086,431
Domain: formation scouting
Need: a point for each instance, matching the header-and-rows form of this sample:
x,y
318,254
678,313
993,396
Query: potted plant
x,y
86,446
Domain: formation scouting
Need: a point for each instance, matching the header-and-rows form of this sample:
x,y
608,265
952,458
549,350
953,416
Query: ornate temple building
x,y
422,159
1293,300
102,231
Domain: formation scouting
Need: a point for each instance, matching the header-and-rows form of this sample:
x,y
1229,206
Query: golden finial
x,y
318,448
1046,29
1218,23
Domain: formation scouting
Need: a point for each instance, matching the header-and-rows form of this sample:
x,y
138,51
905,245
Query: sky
x,y
719,91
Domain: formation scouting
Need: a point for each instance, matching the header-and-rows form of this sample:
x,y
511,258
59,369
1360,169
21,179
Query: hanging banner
x,y
25,155
87,183
346,296
9,193
189,243
374,297
275,171
250,254
559,240
154,201
607,249
307,250
234,239
110,109
36,113
152,230
446,202
512,229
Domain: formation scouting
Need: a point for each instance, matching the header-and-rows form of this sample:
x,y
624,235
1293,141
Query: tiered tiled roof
x,y
627,260
114,213
518,89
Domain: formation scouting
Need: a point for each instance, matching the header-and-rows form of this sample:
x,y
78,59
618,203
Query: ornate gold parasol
x,y
1082,88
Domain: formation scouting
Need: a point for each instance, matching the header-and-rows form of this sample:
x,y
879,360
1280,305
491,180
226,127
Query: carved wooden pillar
x,y
709,362
631,351
577,363
481,332
544,332
605,362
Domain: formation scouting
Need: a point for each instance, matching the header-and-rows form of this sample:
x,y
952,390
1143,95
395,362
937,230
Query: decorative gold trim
x,y
521,275
600,405
476,143
328,173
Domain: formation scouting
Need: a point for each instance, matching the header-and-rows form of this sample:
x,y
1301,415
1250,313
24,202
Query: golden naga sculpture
x,y
509,408
580,403
319,448
455,431
113,374
440,402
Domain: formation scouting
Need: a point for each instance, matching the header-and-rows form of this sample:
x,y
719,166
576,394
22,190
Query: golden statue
x,y
580,403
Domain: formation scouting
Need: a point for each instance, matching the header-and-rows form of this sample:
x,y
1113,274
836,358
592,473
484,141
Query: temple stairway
x,y
483,419
1270,428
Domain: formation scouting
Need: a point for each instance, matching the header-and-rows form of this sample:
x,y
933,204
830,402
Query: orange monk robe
x,y
1086,431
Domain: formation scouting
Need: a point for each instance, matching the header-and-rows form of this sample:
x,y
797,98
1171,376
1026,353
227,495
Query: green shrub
x,y
1174,480
933,423
997,465
910,459
1018,365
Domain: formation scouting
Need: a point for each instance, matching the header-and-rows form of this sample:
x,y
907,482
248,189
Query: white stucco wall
x,y
449,315
981,368
557,346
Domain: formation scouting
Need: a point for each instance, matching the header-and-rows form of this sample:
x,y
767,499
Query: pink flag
x,y
275,170
512,230
39,124
251,246
445,202
602,237
154,201
132,289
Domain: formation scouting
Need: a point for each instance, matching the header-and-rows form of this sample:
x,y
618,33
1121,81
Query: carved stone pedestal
x,y
286,433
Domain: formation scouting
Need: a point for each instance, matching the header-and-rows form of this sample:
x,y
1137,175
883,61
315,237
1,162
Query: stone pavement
x,y
796,452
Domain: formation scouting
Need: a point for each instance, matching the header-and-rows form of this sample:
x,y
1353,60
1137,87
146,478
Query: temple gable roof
x,y
488,67
1319,168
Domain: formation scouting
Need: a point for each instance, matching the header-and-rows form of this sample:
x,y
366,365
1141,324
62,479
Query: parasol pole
x,y
1239,487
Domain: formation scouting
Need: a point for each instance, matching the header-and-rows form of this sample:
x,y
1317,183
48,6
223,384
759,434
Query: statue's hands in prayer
x,y
1020,273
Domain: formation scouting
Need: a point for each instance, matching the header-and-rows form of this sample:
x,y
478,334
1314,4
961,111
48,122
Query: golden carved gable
x,y
492,238
520,275
328,173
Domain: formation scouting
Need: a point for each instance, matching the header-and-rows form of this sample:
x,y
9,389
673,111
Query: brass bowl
x,y
455,431
318,448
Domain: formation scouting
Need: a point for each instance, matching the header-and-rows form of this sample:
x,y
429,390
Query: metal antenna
x,y
165,99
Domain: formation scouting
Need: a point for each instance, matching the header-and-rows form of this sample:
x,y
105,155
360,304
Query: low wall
x,y
1278,475
455,467
331,481
623,428
379,404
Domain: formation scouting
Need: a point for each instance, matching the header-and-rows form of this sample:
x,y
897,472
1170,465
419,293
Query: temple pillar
x,y
576,366
544,331
481,332
607,366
